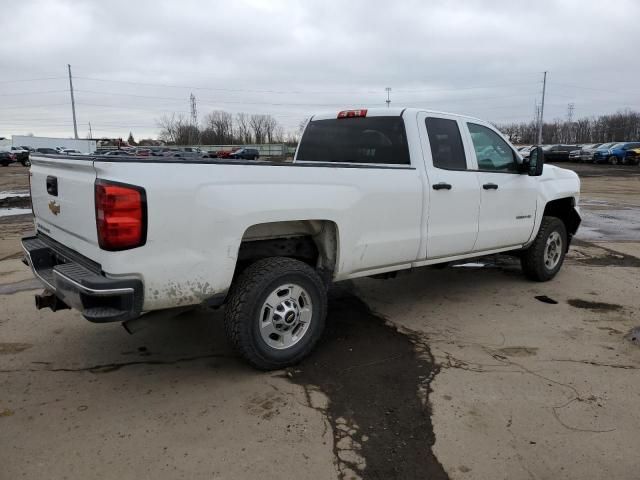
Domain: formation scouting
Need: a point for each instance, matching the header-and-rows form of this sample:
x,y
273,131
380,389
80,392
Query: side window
x,y
492,152
446,144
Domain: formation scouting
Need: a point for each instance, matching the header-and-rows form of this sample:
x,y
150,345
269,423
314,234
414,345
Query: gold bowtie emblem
x,y
54,207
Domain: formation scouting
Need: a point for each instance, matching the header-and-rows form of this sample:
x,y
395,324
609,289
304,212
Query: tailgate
x,y
62,193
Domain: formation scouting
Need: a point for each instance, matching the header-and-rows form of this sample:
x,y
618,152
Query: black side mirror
x,y
534,164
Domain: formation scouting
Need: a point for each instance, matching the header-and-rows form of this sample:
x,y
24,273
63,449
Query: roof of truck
x,y
386,112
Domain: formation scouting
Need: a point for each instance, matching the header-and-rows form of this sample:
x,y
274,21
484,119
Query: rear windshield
x,y
355,140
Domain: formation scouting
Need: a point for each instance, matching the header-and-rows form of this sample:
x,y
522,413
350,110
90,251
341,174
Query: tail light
x,y
353,113
121,215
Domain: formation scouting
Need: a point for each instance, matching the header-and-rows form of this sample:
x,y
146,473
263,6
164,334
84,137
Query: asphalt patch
x,y
372,375
595,306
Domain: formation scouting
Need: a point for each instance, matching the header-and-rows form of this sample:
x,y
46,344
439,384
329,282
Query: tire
x,y
26,163
250,316
538,261
613,160
5,164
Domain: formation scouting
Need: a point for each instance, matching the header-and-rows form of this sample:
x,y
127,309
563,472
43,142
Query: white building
x,y
81,144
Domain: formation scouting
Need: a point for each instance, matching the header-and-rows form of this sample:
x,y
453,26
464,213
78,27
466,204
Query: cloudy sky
x,y
134,61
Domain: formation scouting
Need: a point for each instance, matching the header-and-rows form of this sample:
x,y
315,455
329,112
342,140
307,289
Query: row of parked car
x,y
613,153
183,152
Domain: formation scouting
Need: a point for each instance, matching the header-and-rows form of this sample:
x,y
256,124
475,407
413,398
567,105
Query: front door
x,y
507,196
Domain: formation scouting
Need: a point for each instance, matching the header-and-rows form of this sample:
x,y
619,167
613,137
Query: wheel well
x,y
311,241
564,209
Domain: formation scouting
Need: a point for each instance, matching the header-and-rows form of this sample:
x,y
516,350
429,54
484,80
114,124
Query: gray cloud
x,y
135,60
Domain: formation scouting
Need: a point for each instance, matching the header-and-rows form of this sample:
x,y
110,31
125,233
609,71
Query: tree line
x,y
617,127
222,128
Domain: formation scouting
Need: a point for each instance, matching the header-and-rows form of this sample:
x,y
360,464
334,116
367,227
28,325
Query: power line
x,y
42,92
31,80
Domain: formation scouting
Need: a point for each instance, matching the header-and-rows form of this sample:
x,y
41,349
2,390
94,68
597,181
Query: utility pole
x,y
90,132
544,88
73,104
388,100
194,117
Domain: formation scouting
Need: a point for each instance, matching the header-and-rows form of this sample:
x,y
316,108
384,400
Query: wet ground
x,y
462,373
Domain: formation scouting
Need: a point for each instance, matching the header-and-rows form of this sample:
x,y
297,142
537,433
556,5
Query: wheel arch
x,y
316,242
565,210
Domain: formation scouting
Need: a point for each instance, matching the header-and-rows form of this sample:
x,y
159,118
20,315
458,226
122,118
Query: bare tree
x,y
218,128
243,130
176,129
258,124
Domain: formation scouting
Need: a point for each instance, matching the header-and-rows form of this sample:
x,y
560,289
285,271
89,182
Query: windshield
x,y
617,145
606,145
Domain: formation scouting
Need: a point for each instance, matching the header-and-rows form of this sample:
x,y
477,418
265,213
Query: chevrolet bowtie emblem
x,y
54,207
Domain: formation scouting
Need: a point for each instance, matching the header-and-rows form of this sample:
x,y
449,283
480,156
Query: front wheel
x,y
276,312
26,163
613,160
543,259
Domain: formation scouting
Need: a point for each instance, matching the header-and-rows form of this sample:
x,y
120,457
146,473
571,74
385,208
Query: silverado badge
x,y
54,207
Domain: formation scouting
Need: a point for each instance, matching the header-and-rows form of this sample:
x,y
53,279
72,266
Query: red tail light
x,y
353,113
121,215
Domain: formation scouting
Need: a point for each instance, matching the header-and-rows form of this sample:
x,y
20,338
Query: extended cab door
x,y
507,196
453,193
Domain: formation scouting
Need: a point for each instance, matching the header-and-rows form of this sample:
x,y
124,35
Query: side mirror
x,y
534,164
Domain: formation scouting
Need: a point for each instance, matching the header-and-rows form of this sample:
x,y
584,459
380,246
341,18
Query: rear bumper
x,y
80,284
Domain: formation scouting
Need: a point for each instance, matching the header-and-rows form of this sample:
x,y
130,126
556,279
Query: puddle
x,y
594,306
545,299
10,212
372,377
4,195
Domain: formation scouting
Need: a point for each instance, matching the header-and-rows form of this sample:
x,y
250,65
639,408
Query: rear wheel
x,y
276,312
544,258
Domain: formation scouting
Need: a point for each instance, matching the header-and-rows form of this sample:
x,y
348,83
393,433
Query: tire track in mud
x,y
377,383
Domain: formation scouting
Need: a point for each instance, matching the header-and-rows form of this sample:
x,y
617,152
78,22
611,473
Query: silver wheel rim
x,y
285,316
553,251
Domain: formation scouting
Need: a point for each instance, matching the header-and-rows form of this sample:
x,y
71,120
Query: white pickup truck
x,y
370,192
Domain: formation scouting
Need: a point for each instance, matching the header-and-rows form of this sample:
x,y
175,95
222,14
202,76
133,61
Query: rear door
x,y
453,192
507,197
62,192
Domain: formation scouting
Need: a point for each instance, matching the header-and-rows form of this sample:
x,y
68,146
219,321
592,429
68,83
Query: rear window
x,y
380,140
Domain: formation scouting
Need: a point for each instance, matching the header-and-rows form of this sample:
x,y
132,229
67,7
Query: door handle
x,y
490,186
442,186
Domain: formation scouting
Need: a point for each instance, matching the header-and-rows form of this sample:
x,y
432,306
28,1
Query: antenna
x,y
388,100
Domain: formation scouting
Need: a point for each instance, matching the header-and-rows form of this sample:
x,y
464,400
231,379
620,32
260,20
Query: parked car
x,y
245,154
29,149
7,157
526,151
369,192
584,153
70,151
116,153
191,155
614,154
47,151
558,153
22,155
633,156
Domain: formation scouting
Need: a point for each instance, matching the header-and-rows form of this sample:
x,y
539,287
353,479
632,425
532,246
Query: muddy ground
x,y
464,373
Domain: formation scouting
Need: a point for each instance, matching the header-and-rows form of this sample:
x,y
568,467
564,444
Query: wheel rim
x,y
553,251
285,316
